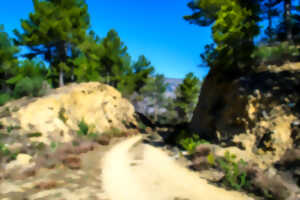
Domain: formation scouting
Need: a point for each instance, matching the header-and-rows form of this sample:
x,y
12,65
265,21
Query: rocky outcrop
x,y
55,117
254,113
257,118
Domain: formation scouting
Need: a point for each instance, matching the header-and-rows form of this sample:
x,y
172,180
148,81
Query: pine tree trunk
x,y
270,21
63,56
61,77
72,74
287,19
155,112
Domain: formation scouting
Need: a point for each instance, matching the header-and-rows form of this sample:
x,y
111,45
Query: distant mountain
x,y
173,84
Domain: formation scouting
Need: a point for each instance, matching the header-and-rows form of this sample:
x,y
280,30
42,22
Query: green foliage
x,y
8,58
53,30
9,129
211,158
5,152
186,96
234,176
53,145
142,70
89,67
234,25
28,68
37,134
115,59
29,87
189,141
83,128
141,126
61,115
4,98
154,90
276,54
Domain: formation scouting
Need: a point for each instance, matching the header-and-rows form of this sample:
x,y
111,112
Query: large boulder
x,y
56,116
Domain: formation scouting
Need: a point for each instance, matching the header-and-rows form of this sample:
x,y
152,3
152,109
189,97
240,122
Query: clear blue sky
x,y
154,28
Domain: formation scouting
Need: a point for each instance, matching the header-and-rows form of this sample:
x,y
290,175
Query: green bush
x,y
4,98
5,152
189,141
83,128
61,115
276,54
234,176
141,126
86,130
53,146
29,87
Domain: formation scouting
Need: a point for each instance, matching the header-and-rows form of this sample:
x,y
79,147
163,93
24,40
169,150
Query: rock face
x,y
257,118
255,113
57,115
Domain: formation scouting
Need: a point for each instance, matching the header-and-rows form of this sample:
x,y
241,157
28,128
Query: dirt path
x,y
141,172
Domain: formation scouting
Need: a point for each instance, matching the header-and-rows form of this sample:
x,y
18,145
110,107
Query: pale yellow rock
x,y
7,187
100,106
14,147
22,160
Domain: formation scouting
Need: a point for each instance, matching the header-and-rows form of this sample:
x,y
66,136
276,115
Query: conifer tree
x,y
8,59
142,70
53,30
115,59
88,62
234,26
155,90
186,96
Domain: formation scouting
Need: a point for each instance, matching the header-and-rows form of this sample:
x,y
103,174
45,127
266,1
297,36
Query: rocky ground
x,y
73,175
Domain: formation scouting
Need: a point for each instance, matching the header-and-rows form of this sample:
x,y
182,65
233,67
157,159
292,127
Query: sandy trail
x,y
154,177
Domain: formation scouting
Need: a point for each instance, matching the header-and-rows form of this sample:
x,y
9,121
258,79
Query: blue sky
x,y
154,28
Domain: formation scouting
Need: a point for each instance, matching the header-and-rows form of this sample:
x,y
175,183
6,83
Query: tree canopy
x,y
8,58
234,26
53,30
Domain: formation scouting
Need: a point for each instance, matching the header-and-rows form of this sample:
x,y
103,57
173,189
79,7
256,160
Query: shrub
x,y
276,54
234,176
4,98
83,128
62,115
141,126
53,146
189,141
5,152
86,130
29,87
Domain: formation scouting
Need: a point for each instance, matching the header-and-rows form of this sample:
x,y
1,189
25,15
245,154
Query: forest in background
x,y
61,48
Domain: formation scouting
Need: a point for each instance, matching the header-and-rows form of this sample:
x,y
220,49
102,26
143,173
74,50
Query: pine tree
x,y
88,62
8,59
154,90
53,30
186,96
142,70
269,11
234,26
115,60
